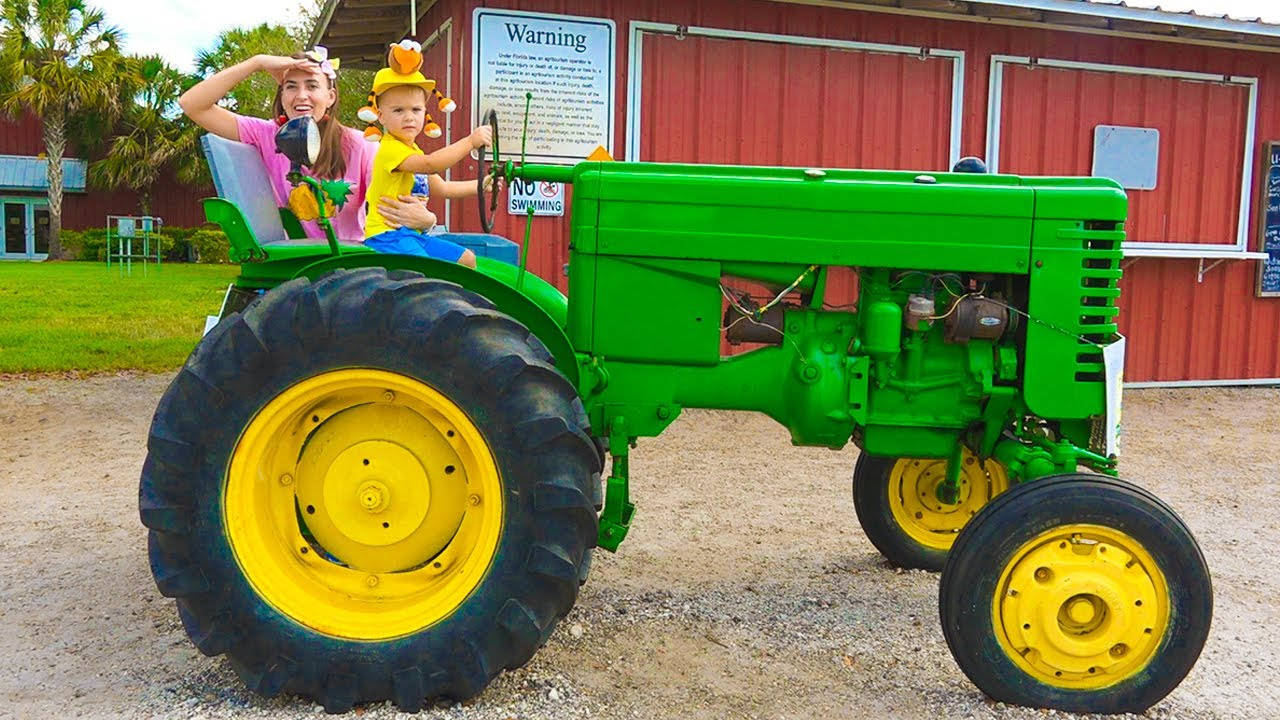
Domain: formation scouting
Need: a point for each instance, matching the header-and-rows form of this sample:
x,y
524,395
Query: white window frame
x,y
444,33
635,69
1238,249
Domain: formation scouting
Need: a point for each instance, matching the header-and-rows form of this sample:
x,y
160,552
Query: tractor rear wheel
x,y
897,503
1079,593
370,487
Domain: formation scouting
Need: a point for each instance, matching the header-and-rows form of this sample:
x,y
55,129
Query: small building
x,y
24,205
1183,109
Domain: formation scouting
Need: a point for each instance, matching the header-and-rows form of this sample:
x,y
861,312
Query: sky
x,y
178,29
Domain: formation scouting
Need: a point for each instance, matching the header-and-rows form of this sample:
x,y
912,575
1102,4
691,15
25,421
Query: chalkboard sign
x,y
1269,269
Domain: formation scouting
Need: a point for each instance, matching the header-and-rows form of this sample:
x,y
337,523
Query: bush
x,y
210,246
88,244
205,244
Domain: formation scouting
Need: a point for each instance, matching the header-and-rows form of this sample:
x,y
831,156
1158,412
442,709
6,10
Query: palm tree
x,y
57,58
153,135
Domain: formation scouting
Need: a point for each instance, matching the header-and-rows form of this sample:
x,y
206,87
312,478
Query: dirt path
x,y
746,588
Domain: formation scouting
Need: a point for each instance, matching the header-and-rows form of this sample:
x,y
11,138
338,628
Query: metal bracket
x,y
1202,270
682,32
615,519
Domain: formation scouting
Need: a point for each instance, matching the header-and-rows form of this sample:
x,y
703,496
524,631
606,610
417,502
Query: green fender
x,y
538,305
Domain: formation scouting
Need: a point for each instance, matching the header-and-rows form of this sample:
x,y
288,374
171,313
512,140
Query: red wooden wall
x,y
1202,131
1179,329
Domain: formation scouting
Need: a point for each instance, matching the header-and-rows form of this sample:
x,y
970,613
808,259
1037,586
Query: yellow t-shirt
x,y
386,180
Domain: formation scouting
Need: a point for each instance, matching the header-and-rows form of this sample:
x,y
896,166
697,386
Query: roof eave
x,y
1144,15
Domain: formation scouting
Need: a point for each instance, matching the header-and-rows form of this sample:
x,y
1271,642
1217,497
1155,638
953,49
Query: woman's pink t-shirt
x,y
349,222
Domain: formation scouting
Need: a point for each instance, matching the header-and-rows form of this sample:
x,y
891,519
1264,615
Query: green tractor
x,y
379,477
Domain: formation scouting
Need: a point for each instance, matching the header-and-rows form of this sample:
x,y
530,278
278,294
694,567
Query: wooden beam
x,y
956,6
1091,21
1008,13
365,14
1142,27
1203,34
356,35
341,29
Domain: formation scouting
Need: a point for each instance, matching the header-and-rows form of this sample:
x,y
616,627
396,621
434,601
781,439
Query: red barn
x,y
1179,107
24,184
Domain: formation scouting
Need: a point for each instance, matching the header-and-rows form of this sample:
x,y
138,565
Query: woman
x,y
307,87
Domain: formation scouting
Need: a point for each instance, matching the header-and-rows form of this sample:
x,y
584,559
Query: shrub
x,y
210,246
176,244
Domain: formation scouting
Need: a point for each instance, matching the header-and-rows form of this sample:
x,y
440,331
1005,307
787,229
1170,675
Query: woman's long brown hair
x,y
330,164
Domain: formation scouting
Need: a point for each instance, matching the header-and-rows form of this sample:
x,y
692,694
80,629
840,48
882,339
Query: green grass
x,y
84,317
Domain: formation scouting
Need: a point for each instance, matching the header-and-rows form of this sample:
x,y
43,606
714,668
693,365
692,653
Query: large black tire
x,y
991,544
872,485
427,330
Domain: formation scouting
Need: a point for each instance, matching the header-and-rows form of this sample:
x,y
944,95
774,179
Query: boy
x,y
401,108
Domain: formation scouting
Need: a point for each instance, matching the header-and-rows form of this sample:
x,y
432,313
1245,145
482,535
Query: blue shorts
x,y
404,241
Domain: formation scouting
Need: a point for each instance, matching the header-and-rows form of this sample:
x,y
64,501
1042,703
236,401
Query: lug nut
x,y
371,581
473,499
286,479
388,396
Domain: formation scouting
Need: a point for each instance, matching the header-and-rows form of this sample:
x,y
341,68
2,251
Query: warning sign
x,y
546,198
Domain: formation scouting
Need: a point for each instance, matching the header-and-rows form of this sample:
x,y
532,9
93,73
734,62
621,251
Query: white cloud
x,y
178,29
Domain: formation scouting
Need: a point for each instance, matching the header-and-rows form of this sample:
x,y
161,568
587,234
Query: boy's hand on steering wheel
x,y
481,137
489,185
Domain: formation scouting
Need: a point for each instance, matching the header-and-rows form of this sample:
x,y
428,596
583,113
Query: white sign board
x,y
546,198
567,62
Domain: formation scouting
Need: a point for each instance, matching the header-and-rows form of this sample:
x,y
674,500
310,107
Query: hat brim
x,y
386,80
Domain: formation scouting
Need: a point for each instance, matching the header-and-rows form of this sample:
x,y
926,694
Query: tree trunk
x,y
144,199
55,142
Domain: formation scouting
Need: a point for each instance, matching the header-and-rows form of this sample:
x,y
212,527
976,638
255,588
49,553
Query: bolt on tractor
x,y
379,476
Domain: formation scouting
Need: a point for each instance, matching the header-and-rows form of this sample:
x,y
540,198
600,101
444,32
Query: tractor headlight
x,y
299,140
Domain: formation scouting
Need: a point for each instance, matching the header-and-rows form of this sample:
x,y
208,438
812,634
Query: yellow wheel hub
x,y
913,497
363,504
1081,607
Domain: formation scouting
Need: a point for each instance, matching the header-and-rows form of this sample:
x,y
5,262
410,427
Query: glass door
x,y
15,229
41,213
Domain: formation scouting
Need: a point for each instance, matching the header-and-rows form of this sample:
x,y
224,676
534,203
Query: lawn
x,y
85,317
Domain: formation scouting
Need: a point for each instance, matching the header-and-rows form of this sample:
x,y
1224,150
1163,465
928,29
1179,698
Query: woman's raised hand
x,y
277,66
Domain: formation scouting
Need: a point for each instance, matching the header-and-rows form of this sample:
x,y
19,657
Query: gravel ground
x,y
745,590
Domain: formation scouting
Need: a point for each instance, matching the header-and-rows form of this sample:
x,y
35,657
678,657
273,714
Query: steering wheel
x,y
489,198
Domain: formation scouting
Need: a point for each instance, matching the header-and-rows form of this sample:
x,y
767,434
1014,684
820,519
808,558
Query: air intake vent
x,y
1099,291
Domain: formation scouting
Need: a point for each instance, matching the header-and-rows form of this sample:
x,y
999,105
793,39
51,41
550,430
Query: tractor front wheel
x,y
370,487
897,503
1079,593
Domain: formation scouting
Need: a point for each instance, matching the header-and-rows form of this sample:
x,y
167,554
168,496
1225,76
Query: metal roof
x,y
360,30
25,172
1190,10
1149,11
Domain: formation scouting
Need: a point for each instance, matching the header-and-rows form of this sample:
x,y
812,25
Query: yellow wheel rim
x,y
363,504
913,497
1081,607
